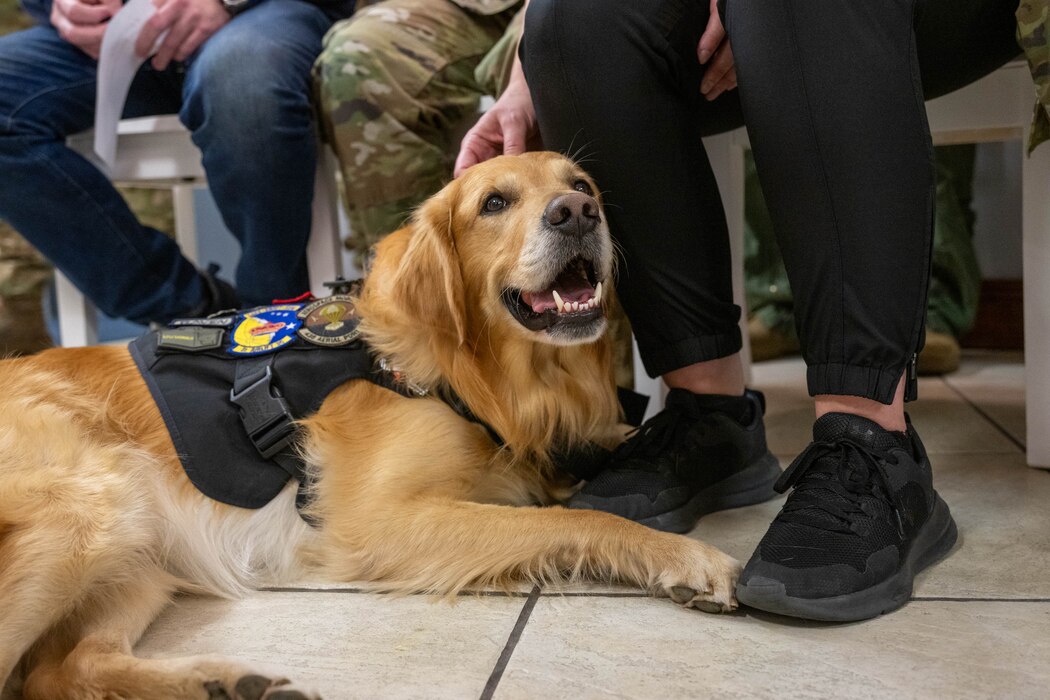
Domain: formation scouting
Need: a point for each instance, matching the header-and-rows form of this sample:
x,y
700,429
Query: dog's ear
x,y
429,282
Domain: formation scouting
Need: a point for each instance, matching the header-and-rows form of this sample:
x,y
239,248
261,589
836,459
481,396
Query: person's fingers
x,y
721,64
483,141
467,158
713,35
87,38
728,82
177,35
61,23
79,12
515,134
473,150
161,20
191,44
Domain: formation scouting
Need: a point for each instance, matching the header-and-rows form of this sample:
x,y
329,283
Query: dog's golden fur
x,y
99,524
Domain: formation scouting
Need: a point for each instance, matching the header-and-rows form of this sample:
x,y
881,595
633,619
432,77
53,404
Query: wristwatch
x,y
235,6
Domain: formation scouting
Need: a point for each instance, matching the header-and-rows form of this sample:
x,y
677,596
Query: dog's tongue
x,y
571,286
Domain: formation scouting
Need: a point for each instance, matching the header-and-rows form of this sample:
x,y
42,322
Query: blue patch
x,y
265,329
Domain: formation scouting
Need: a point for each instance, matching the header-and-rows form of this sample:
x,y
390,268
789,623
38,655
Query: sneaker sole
x,y
748,487
934,540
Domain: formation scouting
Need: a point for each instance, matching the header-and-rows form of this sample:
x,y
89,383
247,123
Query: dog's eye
x,y
582,186
493,203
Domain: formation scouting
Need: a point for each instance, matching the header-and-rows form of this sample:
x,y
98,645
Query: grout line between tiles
x,y
461,594
984,414
600,594
512,642
537,593
960,599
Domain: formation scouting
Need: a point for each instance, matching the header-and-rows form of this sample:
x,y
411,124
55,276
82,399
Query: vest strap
x,y
264,412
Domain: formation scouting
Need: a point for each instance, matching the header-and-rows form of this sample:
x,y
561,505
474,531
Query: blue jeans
x,y
245,96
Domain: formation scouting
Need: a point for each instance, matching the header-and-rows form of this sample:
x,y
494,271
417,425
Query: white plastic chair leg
x,y
1035,179
185,219
726,154
324,251
77,318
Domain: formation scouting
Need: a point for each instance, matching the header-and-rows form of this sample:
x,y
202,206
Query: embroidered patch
x,y
217,322
329,322
265,330
190,339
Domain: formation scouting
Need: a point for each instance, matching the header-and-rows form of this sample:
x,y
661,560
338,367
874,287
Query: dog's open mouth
x,y
575,296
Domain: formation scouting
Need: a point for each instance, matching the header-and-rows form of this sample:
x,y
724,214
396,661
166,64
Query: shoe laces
x,y
652,438
835,478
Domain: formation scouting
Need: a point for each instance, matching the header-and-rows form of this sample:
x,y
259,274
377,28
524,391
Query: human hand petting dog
x,y
508,128
83,22
720,75
189,24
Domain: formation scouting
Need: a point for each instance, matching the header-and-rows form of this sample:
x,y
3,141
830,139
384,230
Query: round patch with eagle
x,y
329,322
265,329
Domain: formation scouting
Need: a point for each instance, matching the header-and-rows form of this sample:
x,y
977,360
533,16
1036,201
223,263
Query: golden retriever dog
x,y
495,290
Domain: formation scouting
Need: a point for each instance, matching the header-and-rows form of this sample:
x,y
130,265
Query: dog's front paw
x,y
257,687
704,579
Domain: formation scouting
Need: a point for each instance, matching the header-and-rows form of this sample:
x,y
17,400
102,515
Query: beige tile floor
x,y
978,625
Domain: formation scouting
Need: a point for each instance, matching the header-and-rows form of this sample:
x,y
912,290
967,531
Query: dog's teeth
x,y
597,294
559,302
575,306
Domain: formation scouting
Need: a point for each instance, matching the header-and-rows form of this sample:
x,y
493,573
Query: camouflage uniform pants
x,y
399,84
1033,34
955,281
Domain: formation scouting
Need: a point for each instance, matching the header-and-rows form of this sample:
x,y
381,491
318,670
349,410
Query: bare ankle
x,y
889,416
724,375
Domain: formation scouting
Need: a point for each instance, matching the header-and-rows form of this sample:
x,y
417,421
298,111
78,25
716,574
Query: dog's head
x,y
498,289
517,245
544,249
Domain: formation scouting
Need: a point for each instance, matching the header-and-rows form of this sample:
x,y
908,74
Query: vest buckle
x,y
264,412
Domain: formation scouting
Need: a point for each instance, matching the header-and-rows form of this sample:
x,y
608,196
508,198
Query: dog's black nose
x,y
574,213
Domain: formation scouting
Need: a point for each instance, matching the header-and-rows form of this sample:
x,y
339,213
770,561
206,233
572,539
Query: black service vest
x,y
230,416
229,407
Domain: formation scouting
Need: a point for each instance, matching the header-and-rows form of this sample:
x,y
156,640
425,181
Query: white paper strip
x,y
117,65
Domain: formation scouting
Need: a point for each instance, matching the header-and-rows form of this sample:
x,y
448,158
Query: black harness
x,y
231,387
230,408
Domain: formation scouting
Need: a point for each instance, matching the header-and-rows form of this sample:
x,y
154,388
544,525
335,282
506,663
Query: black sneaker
x,y
690,459
219,295
862,521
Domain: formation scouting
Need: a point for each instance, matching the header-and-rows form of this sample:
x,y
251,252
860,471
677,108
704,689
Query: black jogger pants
x,y
832,95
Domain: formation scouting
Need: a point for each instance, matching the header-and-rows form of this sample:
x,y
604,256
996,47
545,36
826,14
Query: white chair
x,y
158,150
997,108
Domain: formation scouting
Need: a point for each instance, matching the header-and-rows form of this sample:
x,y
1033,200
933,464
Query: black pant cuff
x,y
875,383
659,359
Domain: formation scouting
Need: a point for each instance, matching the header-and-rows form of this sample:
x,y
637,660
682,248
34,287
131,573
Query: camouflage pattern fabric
x,y
398,84
1033,33
23,271
12,18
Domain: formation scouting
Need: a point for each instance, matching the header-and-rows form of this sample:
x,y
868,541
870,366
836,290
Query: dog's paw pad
x,y
709,606
681,594
252,687
703,600
217,691
291,694
256,687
